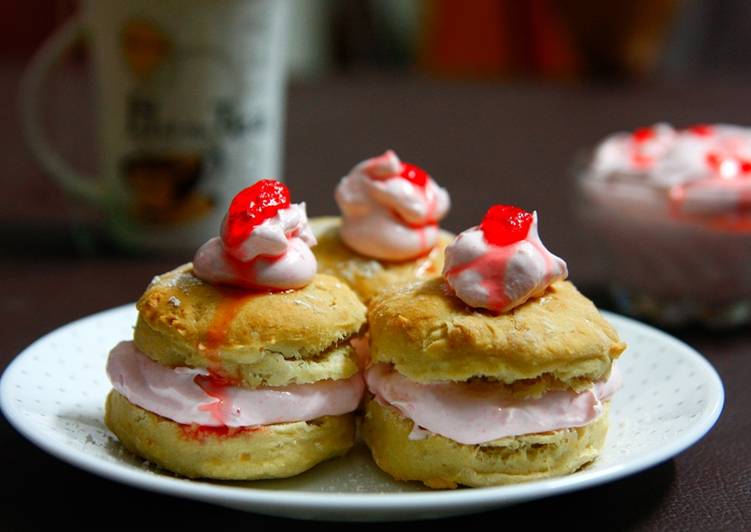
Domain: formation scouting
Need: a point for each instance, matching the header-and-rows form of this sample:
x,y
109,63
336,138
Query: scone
x,y
388,233
501,372
241,365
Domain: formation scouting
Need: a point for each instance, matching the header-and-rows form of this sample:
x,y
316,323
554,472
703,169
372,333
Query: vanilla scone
x,y
512,387
388,233
241,366
368,276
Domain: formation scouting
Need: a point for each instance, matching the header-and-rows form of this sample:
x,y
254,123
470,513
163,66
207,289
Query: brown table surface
x,y
486,143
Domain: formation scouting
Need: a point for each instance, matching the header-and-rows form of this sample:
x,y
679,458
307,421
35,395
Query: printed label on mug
x,y
190,109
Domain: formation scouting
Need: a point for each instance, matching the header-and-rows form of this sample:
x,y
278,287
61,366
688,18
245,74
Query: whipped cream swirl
x,y
189,395
275,255
386,216
499,278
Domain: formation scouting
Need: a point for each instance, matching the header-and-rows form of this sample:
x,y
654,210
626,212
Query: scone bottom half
x,y
250,453
442,463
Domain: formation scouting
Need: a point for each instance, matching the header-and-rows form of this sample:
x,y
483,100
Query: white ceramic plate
x,y
54,392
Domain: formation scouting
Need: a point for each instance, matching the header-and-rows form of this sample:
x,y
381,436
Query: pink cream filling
x,y
189,396
478,412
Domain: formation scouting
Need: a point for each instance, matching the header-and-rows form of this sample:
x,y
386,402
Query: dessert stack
x,y
248,364
240,365
500,372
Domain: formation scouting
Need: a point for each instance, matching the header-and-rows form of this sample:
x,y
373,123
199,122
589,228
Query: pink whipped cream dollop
x,y
479,412
501,263
704,169
265,243
390,209
190,396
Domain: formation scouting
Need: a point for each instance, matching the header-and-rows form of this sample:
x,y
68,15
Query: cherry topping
x,y
715,161
414,174
702,130
251,207
643,134
505,224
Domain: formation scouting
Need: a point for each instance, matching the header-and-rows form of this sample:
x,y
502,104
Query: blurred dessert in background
x,y
672,210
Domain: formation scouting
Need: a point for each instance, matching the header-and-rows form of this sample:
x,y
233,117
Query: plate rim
x,y
349,502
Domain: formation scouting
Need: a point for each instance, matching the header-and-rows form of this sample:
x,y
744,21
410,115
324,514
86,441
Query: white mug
x,y
190,111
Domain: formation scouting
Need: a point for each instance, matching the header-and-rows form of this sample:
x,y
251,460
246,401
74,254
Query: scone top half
x,y
556,341
254,338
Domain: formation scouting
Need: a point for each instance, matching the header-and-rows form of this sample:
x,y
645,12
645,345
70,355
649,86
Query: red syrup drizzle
x,y
702,130
230,302
492,269
640,137
249,208
503,226
420,179
245,272
201,432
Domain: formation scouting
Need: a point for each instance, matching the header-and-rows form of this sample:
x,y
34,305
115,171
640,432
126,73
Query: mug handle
x,y
32,80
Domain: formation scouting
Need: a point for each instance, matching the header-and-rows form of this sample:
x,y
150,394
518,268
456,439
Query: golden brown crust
x,y
431,336
273,451
367,276
442,463
216,324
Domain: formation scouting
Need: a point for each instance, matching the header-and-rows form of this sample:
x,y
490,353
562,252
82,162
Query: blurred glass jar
x,y
671,212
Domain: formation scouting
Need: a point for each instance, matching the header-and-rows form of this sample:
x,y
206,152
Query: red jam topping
x,y
201,432
414,174
411,172
702,130
643,134
715,162
640,136
251,207
505,224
